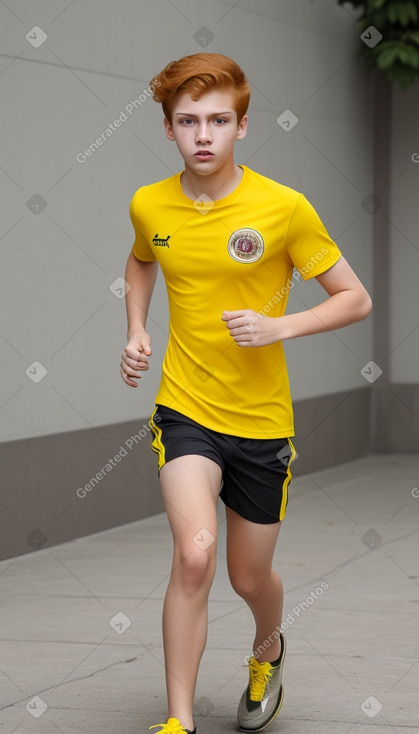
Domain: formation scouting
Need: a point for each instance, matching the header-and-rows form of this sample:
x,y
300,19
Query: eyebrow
x,y
214,114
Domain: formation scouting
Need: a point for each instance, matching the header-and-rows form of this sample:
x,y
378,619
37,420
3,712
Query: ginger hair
x,y
200,73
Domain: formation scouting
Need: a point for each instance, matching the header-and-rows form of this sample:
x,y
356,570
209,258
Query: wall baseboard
x,y
395,418
67,485
331,430
59,487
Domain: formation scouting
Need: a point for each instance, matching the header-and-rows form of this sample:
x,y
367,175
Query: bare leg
x,y
190,486
250,549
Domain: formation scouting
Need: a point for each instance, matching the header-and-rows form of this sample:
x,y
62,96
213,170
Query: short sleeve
x,y
308,244
140,248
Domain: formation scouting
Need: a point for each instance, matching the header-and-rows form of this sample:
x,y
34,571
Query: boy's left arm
x,y
348,302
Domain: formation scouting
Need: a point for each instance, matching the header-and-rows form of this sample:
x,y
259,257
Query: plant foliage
x,y
397,54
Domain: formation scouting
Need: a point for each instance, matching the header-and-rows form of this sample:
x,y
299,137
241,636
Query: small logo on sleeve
x,y
160,242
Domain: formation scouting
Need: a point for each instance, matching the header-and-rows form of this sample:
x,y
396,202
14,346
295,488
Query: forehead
x,y
213,101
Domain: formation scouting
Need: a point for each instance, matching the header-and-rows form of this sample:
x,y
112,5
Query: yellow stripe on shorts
x,y
287,481
157,443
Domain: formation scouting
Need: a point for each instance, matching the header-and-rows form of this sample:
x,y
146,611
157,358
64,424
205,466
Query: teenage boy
x,y
227,240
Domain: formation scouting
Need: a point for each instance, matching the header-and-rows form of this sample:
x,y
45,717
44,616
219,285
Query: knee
x,y
246,585
195,568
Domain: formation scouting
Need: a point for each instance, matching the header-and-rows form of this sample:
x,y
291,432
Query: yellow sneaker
x,y
173,726
263,697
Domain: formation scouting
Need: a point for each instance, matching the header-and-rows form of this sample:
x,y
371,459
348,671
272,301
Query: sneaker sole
x,y
274,714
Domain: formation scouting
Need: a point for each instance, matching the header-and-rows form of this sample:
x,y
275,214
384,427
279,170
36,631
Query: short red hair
x,y
200,73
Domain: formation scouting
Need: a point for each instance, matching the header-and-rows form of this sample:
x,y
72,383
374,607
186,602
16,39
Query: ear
x,y
168,129
242,128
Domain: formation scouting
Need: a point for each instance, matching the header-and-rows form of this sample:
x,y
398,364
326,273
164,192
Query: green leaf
x,y
411,35
402,13
387,57
393,13
409,56
401,75
414,14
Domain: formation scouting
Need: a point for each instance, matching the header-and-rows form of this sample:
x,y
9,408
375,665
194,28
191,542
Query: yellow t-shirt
x,y
229,254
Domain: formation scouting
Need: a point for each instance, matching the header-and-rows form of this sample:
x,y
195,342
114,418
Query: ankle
x,y
268,655
186,721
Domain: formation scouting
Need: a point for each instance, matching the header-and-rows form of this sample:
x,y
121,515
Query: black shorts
x,y
255,472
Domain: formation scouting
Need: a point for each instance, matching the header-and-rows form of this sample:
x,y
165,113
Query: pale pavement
x,y
352,649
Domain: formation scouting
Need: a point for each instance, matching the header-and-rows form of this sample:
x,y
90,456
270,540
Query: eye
x,y
186,120
220,119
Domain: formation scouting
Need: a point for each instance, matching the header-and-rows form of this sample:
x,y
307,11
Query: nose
x,y
203,134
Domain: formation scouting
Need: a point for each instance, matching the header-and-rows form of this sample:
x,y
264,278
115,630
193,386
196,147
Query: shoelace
x,y
259,676
173,726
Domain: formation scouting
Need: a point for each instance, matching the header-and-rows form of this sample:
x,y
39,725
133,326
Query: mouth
x,y
203,154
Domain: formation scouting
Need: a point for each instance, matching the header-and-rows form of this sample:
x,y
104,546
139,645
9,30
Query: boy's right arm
x,y
141,277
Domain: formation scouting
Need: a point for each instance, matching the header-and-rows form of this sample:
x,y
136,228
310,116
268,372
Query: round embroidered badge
x,y
245,245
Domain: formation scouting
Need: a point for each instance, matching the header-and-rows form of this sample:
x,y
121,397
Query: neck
x,y
217,185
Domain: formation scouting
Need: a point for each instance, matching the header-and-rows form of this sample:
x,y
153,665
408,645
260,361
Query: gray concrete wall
x,y
65,232
403,222
65,235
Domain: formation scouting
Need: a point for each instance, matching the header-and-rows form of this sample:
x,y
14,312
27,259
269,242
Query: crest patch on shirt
x,y
245,245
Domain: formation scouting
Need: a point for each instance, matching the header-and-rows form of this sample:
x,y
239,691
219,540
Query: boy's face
x,y
210,124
